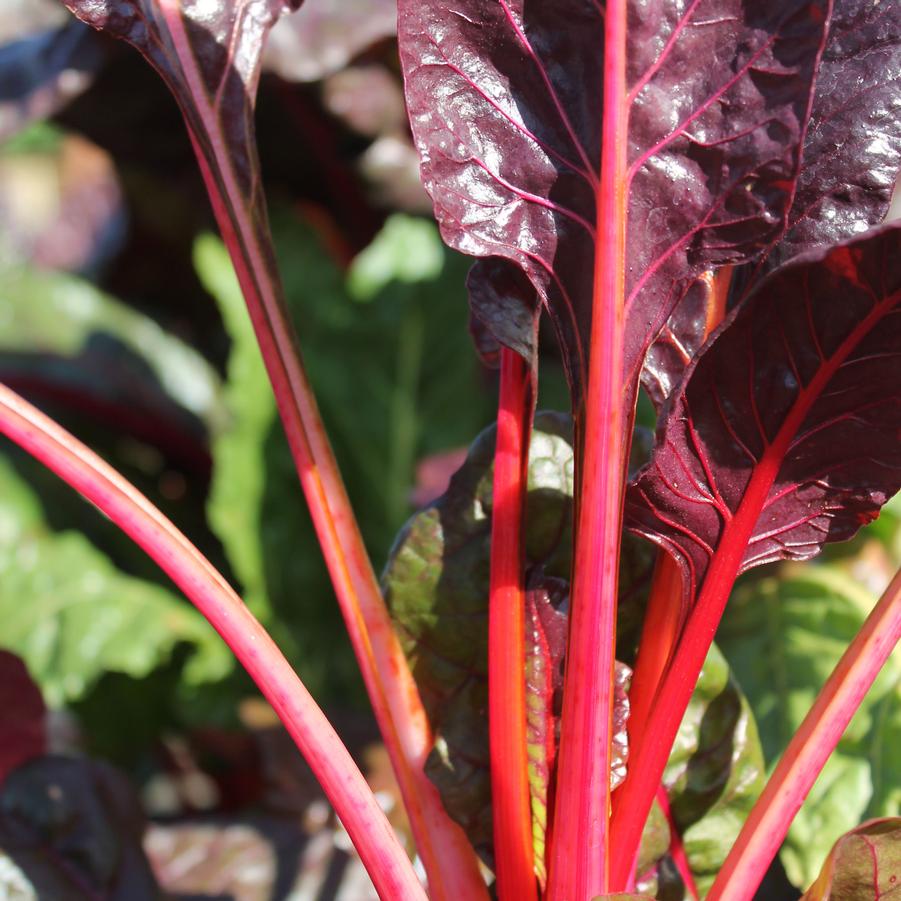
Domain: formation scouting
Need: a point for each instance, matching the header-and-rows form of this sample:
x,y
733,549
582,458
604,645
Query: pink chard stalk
x,y
693,193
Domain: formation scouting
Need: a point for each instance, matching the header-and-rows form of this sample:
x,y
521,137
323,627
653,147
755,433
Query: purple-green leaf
x,y
784,433
864,865
505,105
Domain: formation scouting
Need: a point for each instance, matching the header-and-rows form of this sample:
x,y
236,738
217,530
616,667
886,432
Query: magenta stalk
x,y
344,785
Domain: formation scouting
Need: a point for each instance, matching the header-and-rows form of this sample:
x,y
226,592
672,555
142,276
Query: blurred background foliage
x,y
120,317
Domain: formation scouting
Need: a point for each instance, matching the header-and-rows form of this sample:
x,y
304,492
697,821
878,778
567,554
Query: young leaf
x,y
865,864
436,583
509,139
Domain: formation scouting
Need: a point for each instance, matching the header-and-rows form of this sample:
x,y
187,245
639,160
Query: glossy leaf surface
x,y
865,865
784,433
783,636
852,152
436,584
505,104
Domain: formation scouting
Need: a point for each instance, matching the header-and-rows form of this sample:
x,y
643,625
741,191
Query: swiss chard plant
x,y
693,194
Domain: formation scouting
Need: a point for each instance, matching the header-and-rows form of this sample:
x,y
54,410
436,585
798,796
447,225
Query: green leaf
x,y
396,379
864,865
72,335
72,616
436,584
715,771
783,637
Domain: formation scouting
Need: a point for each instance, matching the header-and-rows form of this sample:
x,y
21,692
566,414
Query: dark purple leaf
x,y
503,311
74,829
852,153
864,865
22,715
784,433
505,104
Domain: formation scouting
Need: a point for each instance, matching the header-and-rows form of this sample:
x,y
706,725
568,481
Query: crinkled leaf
x,y
865,865
783,435
396,380
326,35
505,105
852,152
783,637
72,828
436,585
72,616
22,714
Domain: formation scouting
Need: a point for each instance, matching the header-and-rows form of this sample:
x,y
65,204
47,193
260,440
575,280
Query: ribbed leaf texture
x,y
505,105
784,433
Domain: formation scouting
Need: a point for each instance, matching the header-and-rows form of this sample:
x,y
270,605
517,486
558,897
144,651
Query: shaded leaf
x,y
865,865
65,342
396,381
72,616
783,435
715,771
436,585
505,105
783,636
73,829
22,714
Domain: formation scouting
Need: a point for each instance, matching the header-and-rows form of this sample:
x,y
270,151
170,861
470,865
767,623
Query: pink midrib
x,y
679,680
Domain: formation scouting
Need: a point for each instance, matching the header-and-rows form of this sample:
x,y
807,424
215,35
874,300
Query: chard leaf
x,y
865,864
505,105
852,153
715,771
783,637
72,616
783,434
22,715
436,586
436,583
